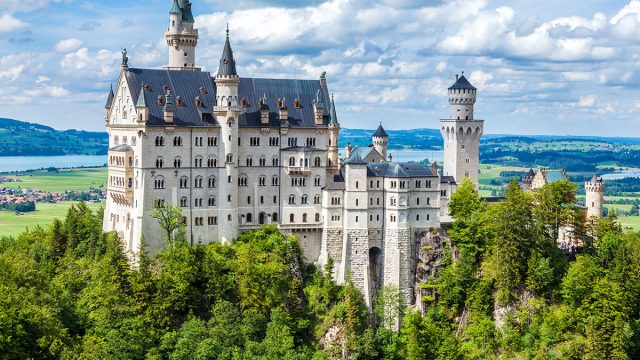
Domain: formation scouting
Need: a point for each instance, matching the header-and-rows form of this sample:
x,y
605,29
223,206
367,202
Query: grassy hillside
x,y
18,138
63,180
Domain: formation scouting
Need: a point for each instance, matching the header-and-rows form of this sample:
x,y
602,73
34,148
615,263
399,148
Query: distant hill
x,y
19,138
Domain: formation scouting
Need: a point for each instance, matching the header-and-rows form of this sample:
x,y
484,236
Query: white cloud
x,y
68,45
587,101
83,63
9,23
12,73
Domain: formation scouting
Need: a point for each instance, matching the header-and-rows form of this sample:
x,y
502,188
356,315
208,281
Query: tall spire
x,y
142,101
175,9
227,63
109,98
333,118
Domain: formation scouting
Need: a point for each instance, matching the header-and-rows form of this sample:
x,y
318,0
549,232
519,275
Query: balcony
x,y
226,108
298,170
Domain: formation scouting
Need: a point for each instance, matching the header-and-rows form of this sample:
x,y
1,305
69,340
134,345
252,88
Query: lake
x,y
622,175
23,163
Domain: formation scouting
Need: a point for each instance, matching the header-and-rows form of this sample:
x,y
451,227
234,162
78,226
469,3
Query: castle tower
x,y
380,140
227,112
182,37
461,133
333,165
595,196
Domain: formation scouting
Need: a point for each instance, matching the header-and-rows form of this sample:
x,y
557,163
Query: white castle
x,y
237,153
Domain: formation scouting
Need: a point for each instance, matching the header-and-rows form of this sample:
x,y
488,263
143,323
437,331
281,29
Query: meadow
x,y
12,224
81,179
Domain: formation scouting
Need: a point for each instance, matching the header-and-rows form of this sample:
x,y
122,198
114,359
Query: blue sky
x,y
541,67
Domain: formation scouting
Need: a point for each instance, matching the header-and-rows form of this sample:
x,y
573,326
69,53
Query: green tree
x,y
169,218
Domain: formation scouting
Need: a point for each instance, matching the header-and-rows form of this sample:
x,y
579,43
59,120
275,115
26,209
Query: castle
x,y
237,153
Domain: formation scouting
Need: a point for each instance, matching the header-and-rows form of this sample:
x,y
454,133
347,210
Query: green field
x,y
63,180
12,224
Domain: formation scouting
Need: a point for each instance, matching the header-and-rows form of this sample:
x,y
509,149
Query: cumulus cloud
x,y
68,45
9,23
83,63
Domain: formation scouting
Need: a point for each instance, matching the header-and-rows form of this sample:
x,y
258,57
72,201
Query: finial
x,y
331,97
125,58
227,30
462,72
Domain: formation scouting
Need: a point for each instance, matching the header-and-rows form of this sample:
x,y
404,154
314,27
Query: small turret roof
x,y
333,118
175,9
380,132
595,179
355,158
227,62
168,105
142,101
109,99
462,83
185,7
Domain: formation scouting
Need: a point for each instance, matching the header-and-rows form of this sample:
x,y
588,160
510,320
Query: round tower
x,y
182,37
227,113
462,97
461,133
594,190
380,140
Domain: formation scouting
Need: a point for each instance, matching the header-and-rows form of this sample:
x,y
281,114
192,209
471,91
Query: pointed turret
x,y
333,118
109,99
380,140
227,66
168,107
175,9
142,101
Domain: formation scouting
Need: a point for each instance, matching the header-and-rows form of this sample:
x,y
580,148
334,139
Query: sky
x,y
541,67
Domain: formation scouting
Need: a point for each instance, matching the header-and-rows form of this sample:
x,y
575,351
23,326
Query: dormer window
x,y
179,101
198,101
281,103
297,104
244,103
225,61
160,100
165,89
203,91
147,88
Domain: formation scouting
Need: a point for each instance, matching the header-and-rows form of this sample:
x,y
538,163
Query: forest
x,y
505,290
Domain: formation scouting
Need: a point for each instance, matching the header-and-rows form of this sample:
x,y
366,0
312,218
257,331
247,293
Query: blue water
x,y
23,163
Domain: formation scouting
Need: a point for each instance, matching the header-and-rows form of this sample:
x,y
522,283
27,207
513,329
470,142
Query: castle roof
x,y
185,8
595,179
175,9
462,83
109,99
356,158
333,118
399,170
555,175
227,62
142,99
192,84
380,132
531,173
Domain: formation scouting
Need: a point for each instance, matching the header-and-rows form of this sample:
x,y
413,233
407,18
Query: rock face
x,y
430,249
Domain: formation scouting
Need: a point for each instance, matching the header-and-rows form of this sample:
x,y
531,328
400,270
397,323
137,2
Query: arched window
x,y
249,217
243,180
229,158
292,199
317,181
263,161
316,162
316,199
159,163
262,180
159,182
317,217
212,182
177,162
292,161
198,182
274,180
274,217
292,218
184,182
212,162
212,201
249,161
184,202
305,199
304,217
275,161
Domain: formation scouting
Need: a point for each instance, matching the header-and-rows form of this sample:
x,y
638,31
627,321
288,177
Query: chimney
x,y
348,150
264,110
284,112
318,109
168,108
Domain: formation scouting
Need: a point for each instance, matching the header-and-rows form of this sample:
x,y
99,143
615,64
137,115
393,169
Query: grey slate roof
x,y
121,148
109,99
356,158
303,148
187,85
227,62
175,9
142,98
555,175
333,118
462,83
399,170
380,132
595,179
447,180
185,7
362,151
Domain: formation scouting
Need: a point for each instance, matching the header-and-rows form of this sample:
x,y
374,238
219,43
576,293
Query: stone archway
x,y
262,218
375,270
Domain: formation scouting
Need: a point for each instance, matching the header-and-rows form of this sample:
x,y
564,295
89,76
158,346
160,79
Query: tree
x,y
169,218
